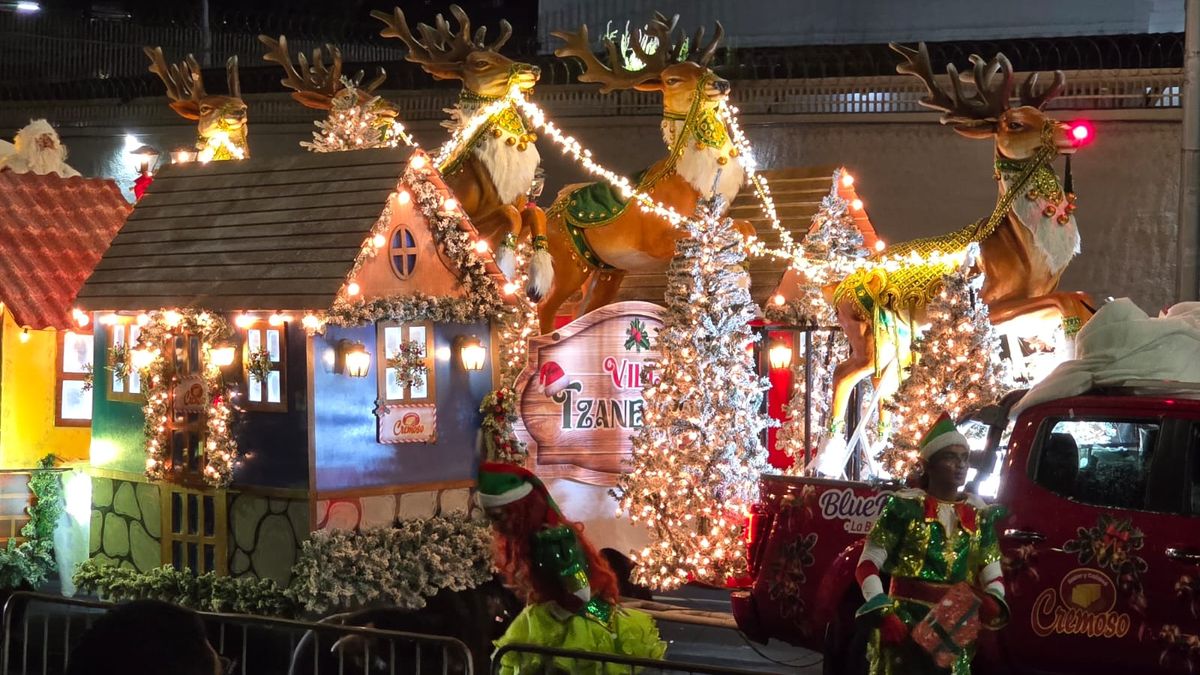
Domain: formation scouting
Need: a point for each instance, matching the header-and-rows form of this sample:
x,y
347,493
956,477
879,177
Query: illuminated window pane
x,y
77,352
272,387
273,345
76,403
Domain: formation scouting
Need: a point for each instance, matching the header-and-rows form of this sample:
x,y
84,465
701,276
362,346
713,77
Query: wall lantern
x,y
144,159
221,355
780,355
183,155
472,352
355,360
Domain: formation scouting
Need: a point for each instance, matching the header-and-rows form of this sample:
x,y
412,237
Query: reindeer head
x,y
317,85
982,109
448,55
185,88
666,69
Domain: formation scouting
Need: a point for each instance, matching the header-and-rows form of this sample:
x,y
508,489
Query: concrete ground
x,y
710,645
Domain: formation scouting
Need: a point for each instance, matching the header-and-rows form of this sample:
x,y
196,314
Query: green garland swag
x,y
29,563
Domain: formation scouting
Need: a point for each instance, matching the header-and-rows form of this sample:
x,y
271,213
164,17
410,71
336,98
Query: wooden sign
x,y
580,395
191,396
399,423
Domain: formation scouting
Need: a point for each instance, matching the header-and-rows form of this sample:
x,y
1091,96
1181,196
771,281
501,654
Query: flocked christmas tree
x,y
356,123
697,458
832,246
957,369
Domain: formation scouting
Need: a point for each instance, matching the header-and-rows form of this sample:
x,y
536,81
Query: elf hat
x,y
501,483
941,435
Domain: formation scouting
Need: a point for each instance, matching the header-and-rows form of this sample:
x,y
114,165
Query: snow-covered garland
x,y
220,451
481,300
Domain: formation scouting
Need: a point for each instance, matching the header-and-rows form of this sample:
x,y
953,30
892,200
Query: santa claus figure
x,y
38,150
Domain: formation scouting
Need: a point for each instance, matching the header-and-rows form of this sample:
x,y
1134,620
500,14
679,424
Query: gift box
x,y
951,626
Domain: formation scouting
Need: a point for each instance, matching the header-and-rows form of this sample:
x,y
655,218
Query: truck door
x,y
1087,517
1177,638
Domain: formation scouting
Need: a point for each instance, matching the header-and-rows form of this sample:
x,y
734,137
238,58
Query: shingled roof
x,y
259,234
797,193
53,231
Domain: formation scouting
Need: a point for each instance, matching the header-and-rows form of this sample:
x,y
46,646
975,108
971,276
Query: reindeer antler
x,y
1039,101
184,81
992,82
615,75
440,45
706,53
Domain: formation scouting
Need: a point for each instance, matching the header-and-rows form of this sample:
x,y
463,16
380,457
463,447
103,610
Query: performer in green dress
x,y
927,540
570,591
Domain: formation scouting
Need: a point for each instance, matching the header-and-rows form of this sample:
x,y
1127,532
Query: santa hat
x,y
552,378
501,483
941,435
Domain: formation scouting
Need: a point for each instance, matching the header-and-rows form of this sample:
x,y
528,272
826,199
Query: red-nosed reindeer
x,y
1024,245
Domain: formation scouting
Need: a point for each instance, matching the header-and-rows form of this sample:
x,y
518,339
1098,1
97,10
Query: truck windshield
x,y
1099,462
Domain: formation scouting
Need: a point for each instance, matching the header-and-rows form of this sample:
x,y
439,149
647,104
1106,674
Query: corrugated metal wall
x,y
772,23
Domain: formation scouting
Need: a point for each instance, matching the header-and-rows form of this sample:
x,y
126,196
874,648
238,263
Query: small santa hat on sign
x,y
552,378
941,435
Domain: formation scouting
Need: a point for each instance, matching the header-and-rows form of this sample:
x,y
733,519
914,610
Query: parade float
x,y
307,344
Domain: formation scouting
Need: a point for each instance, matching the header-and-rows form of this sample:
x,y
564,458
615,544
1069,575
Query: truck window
x,y
1099,462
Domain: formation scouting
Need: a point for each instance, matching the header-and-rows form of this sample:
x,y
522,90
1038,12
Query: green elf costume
x,y
927,545
569,589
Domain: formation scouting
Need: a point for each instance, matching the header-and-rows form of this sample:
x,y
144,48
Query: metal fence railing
x,y
39,632
534,660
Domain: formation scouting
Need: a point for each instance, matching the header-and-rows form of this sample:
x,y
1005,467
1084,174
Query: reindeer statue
x,y
1024,245
593,235
320,86
221,119
492,173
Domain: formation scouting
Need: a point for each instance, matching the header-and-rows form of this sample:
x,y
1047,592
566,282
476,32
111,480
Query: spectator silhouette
x,y
147,637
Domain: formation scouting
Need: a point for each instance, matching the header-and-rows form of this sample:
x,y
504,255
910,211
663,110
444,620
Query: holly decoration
x,y
259,365
637,338
408,364
499,409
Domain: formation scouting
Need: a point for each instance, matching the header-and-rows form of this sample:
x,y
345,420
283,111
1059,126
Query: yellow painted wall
x,y
27,381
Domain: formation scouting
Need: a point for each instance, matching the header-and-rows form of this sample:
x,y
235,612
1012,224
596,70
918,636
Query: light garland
x,y
220,449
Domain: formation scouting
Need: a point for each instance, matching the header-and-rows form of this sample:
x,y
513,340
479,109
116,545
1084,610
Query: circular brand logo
x,y
1088,589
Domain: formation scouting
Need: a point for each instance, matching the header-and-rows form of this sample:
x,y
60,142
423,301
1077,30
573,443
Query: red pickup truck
x,y
1101,542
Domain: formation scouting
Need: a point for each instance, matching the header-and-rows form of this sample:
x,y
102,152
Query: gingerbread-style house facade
x,y
292,344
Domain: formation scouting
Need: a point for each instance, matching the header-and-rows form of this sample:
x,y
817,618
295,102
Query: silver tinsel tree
x,y
957,369
832,246
698,456
355,124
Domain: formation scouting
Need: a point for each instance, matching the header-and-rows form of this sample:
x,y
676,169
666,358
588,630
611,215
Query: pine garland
x,y
29,563
160,377
698,456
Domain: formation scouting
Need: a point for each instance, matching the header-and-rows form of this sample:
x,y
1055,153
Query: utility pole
x,y
206,35
1188,237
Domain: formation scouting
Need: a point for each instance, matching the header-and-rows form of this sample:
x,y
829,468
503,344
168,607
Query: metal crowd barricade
x,y
39,632
535,660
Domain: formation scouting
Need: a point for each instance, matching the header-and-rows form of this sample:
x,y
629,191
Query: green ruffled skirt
x,y
629,633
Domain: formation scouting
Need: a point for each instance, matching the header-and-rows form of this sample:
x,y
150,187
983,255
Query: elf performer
x,y
927,540
569,590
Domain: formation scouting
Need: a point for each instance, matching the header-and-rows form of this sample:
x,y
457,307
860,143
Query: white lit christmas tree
x,y
831,247
957,369
357,123
698,456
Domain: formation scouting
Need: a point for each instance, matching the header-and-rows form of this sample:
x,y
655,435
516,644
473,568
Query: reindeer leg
x,y
570,271
541,265
604,288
